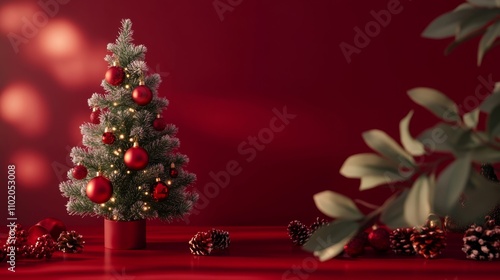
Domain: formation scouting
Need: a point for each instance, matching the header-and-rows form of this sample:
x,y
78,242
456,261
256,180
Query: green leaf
x,y
493,124
451,184
357,166
471,118
492,101
393,215
370,182
417,206
485,3
328,241
436,102
386,146
410,144
481,195
476,22
485,154
487,40
335,205
437,138
447,24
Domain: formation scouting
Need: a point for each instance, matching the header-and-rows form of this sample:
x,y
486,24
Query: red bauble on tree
x,y
136,158
173,172
142,95
108,137
79,172
159,191
94,116
379,239
99,189
114,76
159,123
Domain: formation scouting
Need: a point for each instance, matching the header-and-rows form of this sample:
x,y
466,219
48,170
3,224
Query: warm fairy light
x,y
169,182
131,110
116,153
102,205
131,139
114,128
115,217
128,171
145,208
115,104
127,86
109,208
116,171
113,199
111,166
145,203
126,69
139,187
128,75
144,171
146,193
122,136
119,149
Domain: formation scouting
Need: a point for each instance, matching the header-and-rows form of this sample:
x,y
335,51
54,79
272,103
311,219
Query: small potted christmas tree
x,y
127,171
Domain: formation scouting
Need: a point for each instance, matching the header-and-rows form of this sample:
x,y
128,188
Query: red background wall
x,y
223,78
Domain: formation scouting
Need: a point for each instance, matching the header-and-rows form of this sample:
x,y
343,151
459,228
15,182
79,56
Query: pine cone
x,y
482,242
317,224
201,244
429,241
220,239
43,248
19,243
488,172
400,241
298,232
70,242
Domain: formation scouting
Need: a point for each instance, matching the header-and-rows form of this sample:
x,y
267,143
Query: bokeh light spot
x,y
22,106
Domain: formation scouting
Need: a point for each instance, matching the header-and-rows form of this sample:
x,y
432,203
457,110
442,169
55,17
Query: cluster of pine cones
x,y
300,233
428,241
45,245
204,242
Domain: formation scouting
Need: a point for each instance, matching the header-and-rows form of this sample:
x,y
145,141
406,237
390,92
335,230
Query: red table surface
x,y
255,253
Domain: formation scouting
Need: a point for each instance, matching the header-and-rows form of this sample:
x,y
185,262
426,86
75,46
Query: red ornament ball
x,y
173,173
53,226
159,191
159,124
108,138
114,76
94,116
142,95
380,239
79,172
99,189
355,247
136,158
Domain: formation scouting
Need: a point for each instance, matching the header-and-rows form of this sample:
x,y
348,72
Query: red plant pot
x,y
125,235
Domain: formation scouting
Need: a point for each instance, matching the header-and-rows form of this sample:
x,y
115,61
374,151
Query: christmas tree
x,y
128,169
